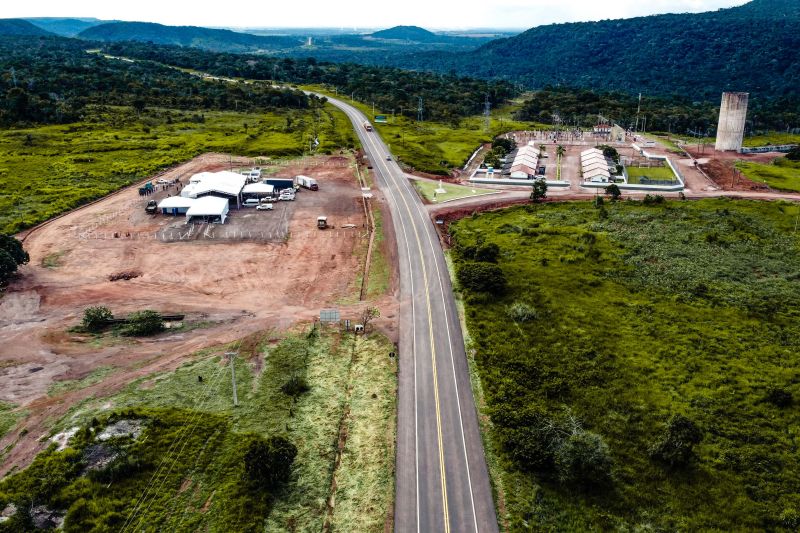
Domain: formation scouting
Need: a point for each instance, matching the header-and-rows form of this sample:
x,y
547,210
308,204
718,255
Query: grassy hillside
x,y
640,368
781,174
47,170
187,469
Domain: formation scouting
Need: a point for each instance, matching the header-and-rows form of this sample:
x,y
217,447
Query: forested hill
x,y
751,48
206,38
20,27
407,33
66,27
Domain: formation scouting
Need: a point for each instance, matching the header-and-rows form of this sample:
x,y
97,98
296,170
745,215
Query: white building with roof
x,y
258,190
208,209
175,205
223,184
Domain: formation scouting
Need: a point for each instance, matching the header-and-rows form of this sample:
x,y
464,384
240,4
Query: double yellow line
x,y
433,360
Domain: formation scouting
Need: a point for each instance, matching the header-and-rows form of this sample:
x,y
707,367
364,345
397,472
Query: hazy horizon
x,y
359,15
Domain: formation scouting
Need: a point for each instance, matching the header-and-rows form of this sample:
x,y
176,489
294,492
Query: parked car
x,y
264,207
284,197
268,199
251,202
162,181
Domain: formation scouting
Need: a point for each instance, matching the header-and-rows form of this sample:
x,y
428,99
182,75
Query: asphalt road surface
x,y
442,481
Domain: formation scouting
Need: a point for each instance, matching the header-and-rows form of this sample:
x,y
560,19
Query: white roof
x,y
594,161
596,172
208,206
258,188
591,151
176,201
595,164
224,182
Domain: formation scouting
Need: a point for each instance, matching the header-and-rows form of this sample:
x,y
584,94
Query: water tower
x,y
732,115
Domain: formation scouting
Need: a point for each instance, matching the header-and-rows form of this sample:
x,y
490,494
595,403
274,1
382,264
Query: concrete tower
x,y
732,115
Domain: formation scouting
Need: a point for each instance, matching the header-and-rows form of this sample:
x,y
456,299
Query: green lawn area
x,y
616,321
301,387
781,174
664,173
428,191
47,170
771,138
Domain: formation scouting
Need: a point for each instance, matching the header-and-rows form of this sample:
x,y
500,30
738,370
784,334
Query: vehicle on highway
x,y
388,158
264,207
367,126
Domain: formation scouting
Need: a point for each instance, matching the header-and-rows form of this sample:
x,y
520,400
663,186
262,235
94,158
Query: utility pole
x,y
231,355
419,110
638,110
373,110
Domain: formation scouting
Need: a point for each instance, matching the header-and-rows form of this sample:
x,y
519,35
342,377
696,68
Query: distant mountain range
x,y
66,27
751,48
20,27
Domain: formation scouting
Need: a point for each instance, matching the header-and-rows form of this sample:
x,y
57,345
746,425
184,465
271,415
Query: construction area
x,y
260,269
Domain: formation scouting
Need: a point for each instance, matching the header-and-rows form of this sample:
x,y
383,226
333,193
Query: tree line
x,y
51,80
444,96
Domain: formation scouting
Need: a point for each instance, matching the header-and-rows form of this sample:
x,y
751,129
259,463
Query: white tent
x,y
209,207
259,189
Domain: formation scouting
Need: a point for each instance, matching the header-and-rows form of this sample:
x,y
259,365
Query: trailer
x,y
306,182
280,183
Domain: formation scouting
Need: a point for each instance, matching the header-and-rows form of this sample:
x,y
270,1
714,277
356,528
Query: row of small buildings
x,y
595,166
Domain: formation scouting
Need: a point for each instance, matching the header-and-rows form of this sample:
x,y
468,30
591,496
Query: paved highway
x,y
442,482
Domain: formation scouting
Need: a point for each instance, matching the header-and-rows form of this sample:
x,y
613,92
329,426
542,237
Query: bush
x,y
613,191
268,462
487,253
481,277
794,154
143,323
584,459
779,397
522,312
96,318
676,447
653,199
295,387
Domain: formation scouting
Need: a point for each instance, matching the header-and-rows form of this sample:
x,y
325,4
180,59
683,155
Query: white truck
x,y
307,183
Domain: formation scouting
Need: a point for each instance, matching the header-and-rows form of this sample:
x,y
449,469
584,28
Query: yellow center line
x,y
433,359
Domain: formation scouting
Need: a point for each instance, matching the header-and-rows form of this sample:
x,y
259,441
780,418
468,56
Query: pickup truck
x,y
152,207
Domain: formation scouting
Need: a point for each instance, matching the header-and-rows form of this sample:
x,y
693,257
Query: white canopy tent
x,y
208,208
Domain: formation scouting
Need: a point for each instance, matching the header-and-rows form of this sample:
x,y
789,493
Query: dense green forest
x,y
53,79
750,48
638,362
676,114
444,96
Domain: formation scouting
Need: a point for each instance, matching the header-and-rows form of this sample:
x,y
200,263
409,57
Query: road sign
x,y
380,119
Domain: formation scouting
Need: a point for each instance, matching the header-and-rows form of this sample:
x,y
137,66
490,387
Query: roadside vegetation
x,y
637,362
170,449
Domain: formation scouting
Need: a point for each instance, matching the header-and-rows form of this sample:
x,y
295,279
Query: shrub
x,y
268,462
676,446
521,312
794,154
295,387
584,459
481,277
96,318
614,192
779,397
143,323
487,253
14,248
653,199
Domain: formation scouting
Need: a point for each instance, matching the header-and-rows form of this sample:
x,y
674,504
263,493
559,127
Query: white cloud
x,y
361,13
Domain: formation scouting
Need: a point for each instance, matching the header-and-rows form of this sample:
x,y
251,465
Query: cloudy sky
x,y
359,13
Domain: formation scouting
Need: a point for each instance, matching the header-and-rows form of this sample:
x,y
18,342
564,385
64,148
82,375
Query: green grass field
x,y
635,174
781,174
194,427
47,170
428,191
771,138
614,321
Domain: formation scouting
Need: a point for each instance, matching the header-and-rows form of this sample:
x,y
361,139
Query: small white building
x,y
208,209
597,176
222,184
175,205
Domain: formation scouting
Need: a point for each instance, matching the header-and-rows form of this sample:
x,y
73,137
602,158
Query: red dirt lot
x,y
233,288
